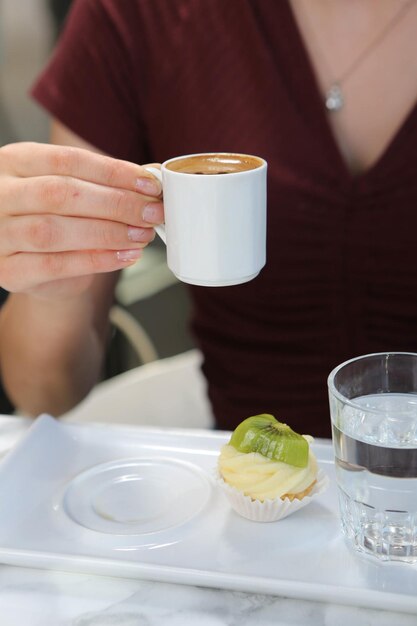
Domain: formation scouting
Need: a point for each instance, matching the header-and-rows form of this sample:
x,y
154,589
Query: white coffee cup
x,y
215,217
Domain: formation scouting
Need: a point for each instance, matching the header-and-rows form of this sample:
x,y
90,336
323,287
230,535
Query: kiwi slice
x,y
264,434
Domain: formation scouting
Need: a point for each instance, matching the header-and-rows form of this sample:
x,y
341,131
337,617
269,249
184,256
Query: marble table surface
x,y
33,597
44,598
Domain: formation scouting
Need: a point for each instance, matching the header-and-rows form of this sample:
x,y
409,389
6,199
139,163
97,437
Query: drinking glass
x,y
373,408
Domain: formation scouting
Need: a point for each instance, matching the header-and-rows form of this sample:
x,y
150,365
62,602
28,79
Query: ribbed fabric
x,y
150,79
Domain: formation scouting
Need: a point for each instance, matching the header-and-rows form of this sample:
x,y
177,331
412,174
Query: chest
x,y
375,63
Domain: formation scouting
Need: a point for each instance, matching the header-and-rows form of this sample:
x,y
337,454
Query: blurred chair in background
x,y
150,315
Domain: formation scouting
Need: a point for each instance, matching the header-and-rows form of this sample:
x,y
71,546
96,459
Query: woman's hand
x,y
67,214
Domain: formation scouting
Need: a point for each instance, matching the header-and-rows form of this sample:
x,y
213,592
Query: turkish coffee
x,y
209,164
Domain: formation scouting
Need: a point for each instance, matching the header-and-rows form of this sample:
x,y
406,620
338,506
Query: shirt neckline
x,y
309,76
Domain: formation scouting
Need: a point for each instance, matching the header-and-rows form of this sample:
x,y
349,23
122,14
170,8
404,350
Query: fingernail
x,y
148,186
128,255
153,213
137,234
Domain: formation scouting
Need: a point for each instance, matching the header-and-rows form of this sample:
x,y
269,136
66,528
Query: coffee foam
x,y
215,163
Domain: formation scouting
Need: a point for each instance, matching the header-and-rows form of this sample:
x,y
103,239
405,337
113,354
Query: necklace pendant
x,y
334,98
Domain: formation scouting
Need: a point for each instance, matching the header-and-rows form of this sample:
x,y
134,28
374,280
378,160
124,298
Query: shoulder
x,y
134,19
128,10
158,14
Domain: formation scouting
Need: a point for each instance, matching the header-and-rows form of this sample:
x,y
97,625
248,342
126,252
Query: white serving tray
x,y
139,502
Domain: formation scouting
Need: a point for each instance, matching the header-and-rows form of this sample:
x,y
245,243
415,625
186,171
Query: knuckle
x,y
42,233
64,159
122,205
51,265
117,204
95,261
14,149
7,153
115,170
52,192
107,236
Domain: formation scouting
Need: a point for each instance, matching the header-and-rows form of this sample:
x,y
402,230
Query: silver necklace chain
x,y
334,99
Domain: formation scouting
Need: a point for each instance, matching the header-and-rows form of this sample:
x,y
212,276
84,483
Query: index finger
x,y
27,159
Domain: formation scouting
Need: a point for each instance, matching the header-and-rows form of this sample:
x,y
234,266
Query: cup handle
x,y
160,228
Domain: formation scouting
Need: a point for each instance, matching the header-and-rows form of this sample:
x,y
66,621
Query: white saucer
x,y
137,496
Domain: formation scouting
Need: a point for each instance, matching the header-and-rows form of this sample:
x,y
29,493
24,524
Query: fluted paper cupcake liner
x,y
270,510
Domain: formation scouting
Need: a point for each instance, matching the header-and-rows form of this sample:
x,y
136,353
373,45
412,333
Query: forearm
x,y
70,220
51,351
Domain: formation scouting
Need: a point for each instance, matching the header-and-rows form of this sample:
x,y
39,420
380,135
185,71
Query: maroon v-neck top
x,y
146,80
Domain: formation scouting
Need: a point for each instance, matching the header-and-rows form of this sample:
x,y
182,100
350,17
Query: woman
x,y
325,91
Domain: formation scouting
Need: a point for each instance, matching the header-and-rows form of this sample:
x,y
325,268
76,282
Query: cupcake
x,y
267,470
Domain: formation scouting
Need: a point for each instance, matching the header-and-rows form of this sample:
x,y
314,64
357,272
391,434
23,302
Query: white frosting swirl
x,y
262,478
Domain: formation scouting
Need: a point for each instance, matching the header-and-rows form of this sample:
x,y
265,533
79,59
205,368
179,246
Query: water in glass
x,y
375,445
